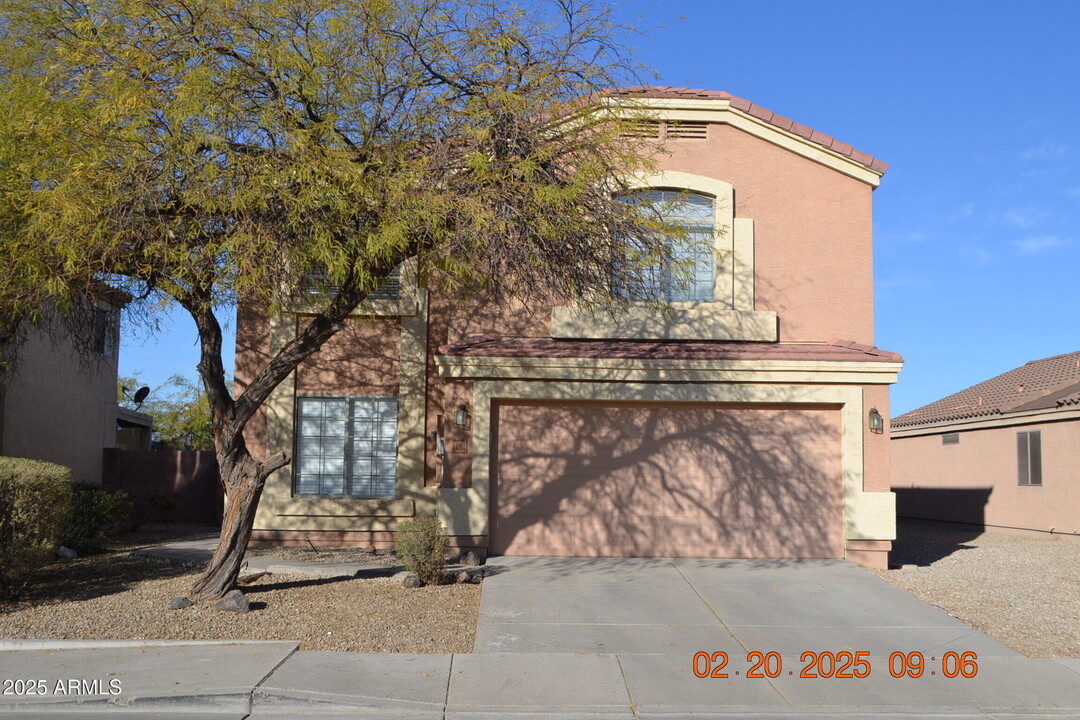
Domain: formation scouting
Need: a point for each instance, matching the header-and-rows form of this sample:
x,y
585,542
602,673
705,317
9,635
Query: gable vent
x,y
642,129
688,130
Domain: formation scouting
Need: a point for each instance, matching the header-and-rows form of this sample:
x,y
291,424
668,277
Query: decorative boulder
x,y
408,579
179,603
234,601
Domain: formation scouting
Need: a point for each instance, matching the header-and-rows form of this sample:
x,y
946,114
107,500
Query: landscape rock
x,y
179,603
66,552
408,579
234,601
250,578
470,558
467,575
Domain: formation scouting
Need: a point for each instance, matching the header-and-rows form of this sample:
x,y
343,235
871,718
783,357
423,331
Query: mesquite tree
x,y
211,153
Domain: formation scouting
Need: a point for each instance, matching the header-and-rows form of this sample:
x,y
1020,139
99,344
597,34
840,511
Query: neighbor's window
x,y
950,439
690,276
1029,457
346,446
106,332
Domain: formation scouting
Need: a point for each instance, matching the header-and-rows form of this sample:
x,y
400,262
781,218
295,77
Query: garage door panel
x,y
589,536
679,480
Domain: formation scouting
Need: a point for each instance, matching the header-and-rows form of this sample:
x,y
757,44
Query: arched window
x,y
690,275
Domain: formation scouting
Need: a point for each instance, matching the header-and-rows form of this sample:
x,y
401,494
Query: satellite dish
x,y
140,395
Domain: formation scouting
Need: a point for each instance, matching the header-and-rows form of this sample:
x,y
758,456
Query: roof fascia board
x,y
1019,418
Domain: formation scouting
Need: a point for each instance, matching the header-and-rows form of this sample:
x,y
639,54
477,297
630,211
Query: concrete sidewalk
x,y
583,638
266,680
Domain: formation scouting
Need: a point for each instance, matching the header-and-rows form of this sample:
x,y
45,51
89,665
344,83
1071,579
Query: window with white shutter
x,y
346,446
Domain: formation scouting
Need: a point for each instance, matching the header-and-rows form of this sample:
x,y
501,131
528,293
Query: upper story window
x,y
315,284
106,331
690,274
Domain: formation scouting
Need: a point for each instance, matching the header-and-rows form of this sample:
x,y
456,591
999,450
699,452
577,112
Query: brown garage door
x,y
648,480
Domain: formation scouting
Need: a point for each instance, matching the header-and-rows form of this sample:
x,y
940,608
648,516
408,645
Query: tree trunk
x,y
243,478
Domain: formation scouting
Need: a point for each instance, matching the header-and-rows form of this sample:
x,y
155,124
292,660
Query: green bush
x,y
94,511
35,498
421,546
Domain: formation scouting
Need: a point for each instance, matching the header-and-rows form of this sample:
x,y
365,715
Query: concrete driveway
x,y
651,616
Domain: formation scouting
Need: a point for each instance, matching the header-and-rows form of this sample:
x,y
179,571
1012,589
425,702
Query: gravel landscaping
x,y
115,596
1022,591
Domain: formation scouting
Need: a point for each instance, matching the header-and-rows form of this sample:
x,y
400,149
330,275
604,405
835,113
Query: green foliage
x,y
34,500
94,511
180,409
421,545
224,149
215,153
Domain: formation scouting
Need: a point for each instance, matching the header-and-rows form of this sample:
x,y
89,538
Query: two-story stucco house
x,y
734,425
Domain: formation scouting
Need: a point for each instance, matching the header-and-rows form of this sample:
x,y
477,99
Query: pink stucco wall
x,y
813,231
978,478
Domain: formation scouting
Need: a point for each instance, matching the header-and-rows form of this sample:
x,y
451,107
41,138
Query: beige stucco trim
x,y
742,259
1029,417
412,410
865,518
677,321
343,507
281,511
720,111
640,370
280,407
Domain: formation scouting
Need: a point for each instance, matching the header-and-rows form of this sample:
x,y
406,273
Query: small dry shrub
x,y
421,546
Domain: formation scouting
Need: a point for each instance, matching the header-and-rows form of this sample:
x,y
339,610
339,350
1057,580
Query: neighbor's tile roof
x,y
1038,385
827,141
498,346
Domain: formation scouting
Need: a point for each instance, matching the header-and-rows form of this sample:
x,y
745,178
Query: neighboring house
x,y
58,407
733,426
1004,453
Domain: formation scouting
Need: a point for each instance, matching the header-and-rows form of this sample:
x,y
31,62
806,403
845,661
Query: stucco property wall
x,y
59,409
975,481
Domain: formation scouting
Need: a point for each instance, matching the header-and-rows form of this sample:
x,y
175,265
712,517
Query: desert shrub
x,y
35,497
421,546
94,511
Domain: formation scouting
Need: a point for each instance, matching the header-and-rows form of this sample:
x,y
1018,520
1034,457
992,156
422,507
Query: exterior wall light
x,y
877,423
461,415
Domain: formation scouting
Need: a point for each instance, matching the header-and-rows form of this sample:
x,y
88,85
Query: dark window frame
x,y
1029,458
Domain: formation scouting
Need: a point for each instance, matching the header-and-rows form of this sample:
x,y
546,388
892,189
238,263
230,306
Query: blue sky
x,y
975,107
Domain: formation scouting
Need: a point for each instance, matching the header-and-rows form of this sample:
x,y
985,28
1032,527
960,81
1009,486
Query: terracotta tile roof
x,y
827,141
1038,385
498,346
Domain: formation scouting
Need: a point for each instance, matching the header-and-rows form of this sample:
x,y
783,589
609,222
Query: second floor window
x,y
689,277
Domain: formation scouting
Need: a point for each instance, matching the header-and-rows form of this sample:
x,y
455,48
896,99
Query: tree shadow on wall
x,y
678,480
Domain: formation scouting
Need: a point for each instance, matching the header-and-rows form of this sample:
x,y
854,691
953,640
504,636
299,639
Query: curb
x,y
25,645
185,705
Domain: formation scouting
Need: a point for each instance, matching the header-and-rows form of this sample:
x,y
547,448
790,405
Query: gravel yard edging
x,y
1023,591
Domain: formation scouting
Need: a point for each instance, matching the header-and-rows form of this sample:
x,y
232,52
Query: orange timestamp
x,y
842,664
